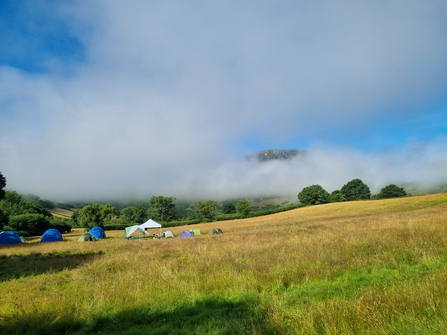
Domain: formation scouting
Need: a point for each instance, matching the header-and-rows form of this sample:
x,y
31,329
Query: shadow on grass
x,y
210,316
17,266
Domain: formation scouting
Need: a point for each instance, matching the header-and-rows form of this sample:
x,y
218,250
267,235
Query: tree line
x,y
30,215
355,189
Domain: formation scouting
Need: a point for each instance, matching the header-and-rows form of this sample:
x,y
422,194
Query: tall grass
x,y
370,267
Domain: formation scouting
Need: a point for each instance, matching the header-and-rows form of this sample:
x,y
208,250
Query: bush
x,y
313,195
356,189
391,191
29,224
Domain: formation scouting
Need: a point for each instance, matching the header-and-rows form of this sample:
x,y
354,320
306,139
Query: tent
x,y
87,237
186,234
98,232
151,224
132,229
215,231
51,235
9,237
196,231
167,233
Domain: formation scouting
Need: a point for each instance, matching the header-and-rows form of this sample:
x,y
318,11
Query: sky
x,y
126,98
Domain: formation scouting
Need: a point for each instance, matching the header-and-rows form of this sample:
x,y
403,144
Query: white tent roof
x,y
150,224
131,230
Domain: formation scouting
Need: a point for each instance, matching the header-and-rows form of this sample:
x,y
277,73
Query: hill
x,y
274,154
364,267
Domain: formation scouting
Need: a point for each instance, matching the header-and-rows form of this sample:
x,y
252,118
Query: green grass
x,y
374,267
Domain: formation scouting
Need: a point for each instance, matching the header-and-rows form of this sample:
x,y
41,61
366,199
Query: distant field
x,y
366,267
62,213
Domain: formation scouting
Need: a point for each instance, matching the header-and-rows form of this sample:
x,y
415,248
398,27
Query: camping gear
x,y
98,232
167,233
215,231
196,231
132,229
186,234
86,237
9,237
51,235
151,224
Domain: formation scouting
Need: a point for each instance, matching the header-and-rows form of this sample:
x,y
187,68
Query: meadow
x,y
365,267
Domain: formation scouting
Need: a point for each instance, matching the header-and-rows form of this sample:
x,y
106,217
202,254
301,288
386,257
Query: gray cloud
x,y
169,92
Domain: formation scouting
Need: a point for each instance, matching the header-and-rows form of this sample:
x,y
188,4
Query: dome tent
x,y
216,231
51,235
196,231
9,237
87,237
98,232
167,233
186,234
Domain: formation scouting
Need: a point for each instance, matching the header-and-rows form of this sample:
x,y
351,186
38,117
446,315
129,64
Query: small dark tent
x,y
98,232
51,235
86,237
185,234
9,237
215,231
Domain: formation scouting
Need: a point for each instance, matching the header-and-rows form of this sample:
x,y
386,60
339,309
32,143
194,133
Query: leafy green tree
x,y
95,215
337,196
313,195
136,214
14,204
243,207
163,208
356,189
206,209
29,224
228,208
391,191
4,219
2,186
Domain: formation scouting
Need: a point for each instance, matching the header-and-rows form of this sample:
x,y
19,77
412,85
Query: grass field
x,y
61,213
368,267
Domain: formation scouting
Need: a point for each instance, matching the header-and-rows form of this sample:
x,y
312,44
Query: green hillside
x,y
363,267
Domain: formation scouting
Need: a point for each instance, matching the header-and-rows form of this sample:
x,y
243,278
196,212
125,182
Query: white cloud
x,y
168,90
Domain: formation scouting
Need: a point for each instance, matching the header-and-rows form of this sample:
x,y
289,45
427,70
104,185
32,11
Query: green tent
x,y
87,237
196,231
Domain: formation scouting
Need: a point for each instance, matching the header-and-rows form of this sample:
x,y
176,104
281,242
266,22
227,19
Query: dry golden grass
x,y
369,267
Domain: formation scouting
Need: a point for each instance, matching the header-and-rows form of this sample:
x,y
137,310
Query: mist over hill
x,y
274,154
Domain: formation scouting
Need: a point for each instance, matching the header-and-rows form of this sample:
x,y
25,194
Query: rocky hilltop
x,y
274,154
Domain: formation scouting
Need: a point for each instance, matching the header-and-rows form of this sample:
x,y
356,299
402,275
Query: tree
x,y
136,214
243,207
29,224
2,186
356,189
313,195
206,209
14,204
228,208
95,215
4,219
337,196
163,208
391,191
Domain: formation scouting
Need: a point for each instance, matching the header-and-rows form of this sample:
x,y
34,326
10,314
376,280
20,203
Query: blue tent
x,y
9,237
98,232
51,235
185,234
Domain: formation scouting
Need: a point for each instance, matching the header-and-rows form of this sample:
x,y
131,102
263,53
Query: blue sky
x,y
132,98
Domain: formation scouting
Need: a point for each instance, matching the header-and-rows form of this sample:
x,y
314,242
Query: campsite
x,y
369,267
